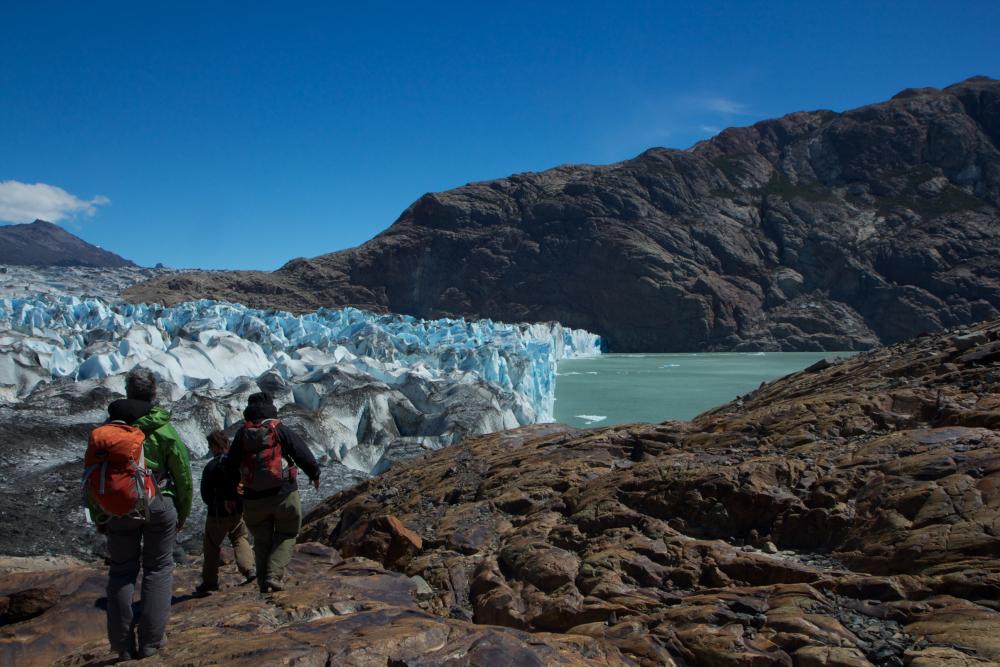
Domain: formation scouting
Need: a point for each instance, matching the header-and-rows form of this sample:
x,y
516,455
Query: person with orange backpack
x,y
138,482
265,456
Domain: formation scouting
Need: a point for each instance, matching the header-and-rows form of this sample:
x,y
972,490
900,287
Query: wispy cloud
x,y
721,105
678,119
710,103
26,202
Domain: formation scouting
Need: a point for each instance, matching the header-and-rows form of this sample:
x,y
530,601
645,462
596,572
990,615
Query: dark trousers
x,y
150,544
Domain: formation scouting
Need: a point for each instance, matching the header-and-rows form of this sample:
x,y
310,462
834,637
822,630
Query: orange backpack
x,y
115,475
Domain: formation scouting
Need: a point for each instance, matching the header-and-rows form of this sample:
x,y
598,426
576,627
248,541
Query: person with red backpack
x,y
138,483
265,456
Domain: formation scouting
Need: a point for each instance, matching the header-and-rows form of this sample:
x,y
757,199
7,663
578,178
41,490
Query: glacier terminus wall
x,y
359,382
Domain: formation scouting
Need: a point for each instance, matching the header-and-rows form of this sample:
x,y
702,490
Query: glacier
x,y
213,348
365,389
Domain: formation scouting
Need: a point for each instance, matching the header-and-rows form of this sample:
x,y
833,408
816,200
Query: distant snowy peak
x,y
42,243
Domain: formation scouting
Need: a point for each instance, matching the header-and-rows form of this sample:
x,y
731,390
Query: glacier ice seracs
x,y
212,348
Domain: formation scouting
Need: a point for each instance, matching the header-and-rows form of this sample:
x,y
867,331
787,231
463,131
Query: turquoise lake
x,y
623,388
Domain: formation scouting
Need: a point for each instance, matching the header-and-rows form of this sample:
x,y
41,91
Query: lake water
x,y
623,388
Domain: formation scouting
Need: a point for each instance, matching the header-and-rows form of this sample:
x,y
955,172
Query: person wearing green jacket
x,y
167,456
146,541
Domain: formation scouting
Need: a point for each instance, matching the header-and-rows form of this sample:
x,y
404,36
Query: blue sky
x,y
241,135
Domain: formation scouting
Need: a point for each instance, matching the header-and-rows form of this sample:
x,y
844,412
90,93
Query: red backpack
x,y
115,475
263,467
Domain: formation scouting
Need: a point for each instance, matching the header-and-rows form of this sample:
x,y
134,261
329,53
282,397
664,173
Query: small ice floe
x,y
592,419
570,373
670,366
591,373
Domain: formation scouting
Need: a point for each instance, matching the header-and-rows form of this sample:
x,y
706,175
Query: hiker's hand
x,y
180,525
315,483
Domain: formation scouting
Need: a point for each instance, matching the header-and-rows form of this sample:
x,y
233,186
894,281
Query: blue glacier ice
x,y
204,345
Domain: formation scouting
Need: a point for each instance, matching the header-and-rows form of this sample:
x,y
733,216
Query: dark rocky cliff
x,y
42,243
818,230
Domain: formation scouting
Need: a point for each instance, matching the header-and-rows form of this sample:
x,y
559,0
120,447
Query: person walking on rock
x,y
143,536
224,519
266,456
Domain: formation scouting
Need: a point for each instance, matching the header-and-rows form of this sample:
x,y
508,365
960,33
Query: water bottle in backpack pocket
x,y
115,476
263,468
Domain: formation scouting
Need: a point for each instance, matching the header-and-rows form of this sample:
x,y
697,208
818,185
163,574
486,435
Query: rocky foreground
x,y
815,231
844,516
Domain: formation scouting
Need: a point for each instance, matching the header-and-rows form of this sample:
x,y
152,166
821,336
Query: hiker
x,y
144,533
224,519
266,456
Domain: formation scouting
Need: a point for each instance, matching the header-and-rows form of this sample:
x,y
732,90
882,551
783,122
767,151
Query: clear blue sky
x,y
241,135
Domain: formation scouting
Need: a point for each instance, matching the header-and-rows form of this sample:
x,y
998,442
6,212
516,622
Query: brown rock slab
x,y
383,539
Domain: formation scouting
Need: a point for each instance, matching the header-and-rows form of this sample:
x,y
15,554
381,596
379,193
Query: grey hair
x,y
141,384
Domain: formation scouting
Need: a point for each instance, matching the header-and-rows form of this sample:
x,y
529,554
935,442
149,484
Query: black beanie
x,y
261,397
260,406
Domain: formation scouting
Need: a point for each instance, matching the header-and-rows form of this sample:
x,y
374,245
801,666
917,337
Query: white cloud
x,y
27,202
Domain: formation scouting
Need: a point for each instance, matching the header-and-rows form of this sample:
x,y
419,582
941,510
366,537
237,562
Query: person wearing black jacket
x,y
224,519
273,515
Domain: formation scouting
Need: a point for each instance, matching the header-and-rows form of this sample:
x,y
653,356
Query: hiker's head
x,y
141,384
260,406
260,398
218,443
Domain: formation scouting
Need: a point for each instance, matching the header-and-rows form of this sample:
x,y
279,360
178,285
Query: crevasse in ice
x,y
209,344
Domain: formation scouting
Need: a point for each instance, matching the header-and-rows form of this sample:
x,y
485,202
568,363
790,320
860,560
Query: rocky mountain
x,y
42,243
818,230
842,516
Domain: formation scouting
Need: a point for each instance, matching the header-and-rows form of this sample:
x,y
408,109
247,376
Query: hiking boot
x,y
273,586
251,576
206,589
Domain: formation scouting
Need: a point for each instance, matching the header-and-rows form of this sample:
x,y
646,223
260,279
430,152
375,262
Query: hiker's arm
x,y
231,461
180,469
99,518
298,451
206,483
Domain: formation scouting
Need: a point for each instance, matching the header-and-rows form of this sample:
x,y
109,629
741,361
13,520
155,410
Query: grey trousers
x,y
131,543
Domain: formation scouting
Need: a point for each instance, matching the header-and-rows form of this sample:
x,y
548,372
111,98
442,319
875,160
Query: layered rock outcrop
x,y
845,515
818,230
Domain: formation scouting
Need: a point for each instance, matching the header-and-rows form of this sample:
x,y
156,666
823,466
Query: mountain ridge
x,y
42,243
817,230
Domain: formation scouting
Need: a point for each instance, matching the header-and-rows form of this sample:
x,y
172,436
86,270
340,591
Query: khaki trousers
x,y
274,523
217,529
